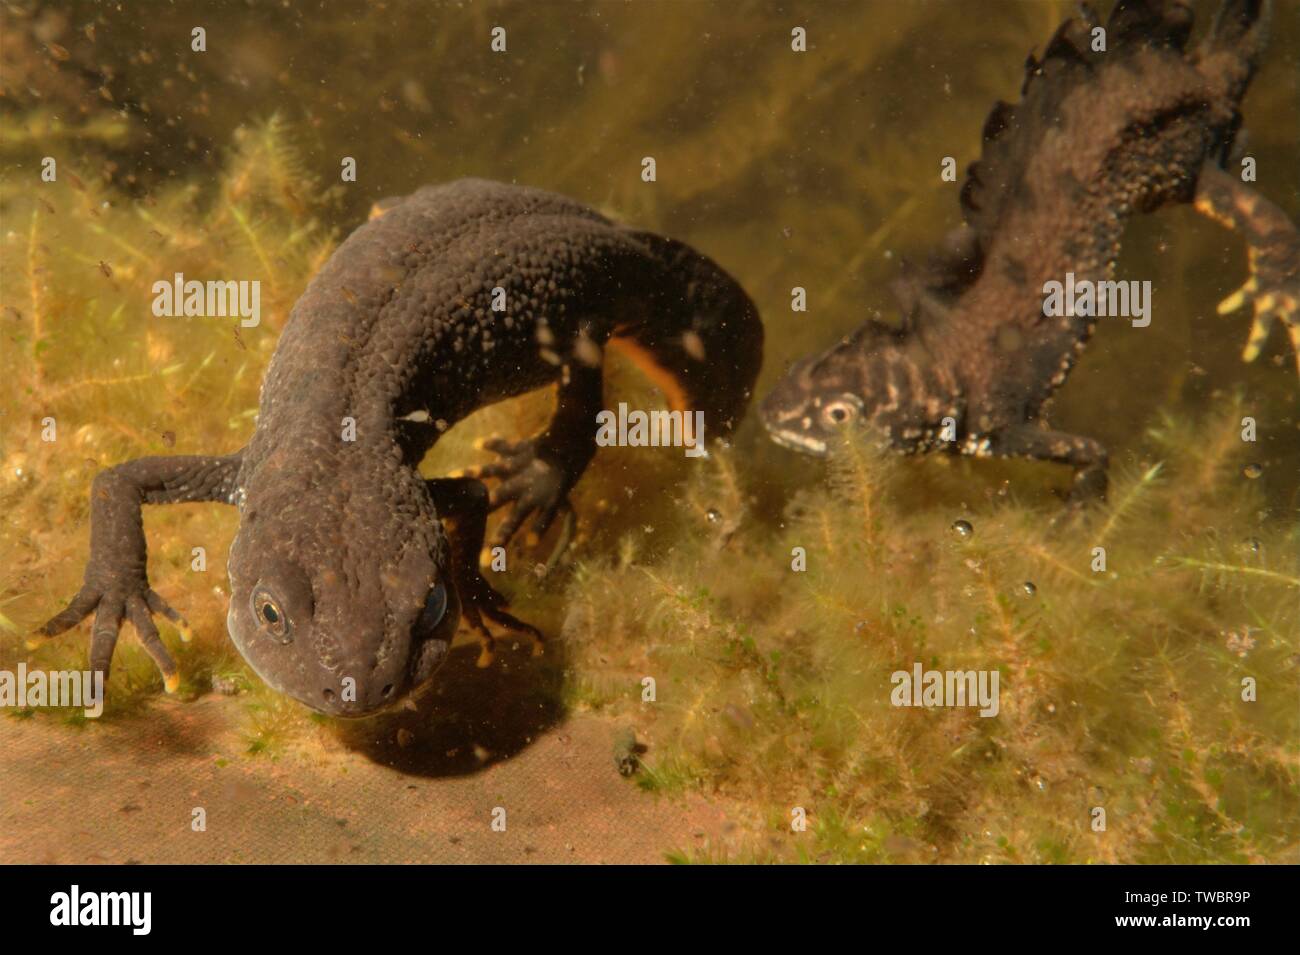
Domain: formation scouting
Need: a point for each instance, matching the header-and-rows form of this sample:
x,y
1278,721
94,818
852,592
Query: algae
x,y
1121,688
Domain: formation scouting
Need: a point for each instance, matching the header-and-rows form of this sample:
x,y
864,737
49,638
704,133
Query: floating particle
x,y
1252,544
963,529
1240,641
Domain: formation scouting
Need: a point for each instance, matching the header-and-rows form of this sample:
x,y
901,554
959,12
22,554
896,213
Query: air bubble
x,y
1252,470
1029,588
963,529
713,514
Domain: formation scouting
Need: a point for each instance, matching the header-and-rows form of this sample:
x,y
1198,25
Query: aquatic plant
x,y
1121,684
1121,688
77,284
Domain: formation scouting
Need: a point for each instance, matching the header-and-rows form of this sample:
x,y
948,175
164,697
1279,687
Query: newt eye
x,y
270,617
839,412
435,607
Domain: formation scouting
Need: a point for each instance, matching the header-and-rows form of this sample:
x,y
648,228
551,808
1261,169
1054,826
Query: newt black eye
x,y
838,412
435,607
270,617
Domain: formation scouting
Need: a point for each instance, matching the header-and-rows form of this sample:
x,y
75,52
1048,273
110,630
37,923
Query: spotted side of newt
x,y
1098,136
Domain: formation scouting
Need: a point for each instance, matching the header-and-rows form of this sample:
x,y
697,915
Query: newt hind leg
x,y
462,503
1273,287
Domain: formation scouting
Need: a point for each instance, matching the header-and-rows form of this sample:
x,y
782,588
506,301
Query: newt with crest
x,y
1099,136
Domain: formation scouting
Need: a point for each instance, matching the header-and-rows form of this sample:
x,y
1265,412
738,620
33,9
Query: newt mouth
x,y
805,444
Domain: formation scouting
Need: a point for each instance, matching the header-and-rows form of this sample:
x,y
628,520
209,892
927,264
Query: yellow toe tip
x,y
32,643
172,682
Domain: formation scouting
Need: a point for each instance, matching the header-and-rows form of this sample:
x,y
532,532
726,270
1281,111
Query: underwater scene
x,y
652,431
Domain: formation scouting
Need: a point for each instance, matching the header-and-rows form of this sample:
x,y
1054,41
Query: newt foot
x,y
530,481
1273,292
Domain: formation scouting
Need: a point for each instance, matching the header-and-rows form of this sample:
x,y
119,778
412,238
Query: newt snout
x,y
801,415
347,630
879,376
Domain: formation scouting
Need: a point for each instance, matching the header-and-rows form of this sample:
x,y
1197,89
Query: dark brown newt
x,y
1097,137
345,586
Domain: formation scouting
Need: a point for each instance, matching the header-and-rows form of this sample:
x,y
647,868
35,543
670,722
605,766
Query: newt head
x,y
823,394
335,603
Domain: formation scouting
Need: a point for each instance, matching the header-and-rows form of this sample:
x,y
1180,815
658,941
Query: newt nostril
x,y
329,694
387,690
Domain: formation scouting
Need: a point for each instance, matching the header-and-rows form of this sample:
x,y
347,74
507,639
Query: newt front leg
x,y
462,506
116,585
537,474
1273,250
1087,456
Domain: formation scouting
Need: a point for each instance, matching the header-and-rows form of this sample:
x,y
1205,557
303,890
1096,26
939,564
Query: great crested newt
x,y
1103,131
346,585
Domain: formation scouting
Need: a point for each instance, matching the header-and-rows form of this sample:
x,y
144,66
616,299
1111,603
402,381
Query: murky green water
x,y
818,170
